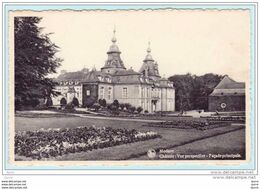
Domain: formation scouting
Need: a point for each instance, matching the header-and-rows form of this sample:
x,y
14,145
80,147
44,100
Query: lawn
x,y
228,143
171,137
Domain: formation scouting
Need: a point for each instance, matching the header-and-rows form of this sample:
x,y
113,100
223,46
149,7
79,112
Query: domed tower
x,y
150,67
114,61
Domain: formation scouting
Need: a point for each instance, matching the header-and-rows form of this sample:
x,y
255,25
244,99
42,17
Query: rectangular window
x,y
124,95
142,92
101,93
109,96
148,91
88,92
153,92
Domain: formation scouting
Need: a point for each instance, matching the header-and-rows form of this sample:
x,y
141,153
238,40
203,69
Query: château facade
x,y
145,88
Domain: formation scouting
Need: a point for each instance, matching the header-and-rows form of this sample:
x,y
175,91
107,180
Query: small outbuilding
x,y
228,95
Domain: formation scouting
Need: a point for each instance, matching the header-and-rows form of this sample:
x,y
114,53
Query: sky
x,y
182,41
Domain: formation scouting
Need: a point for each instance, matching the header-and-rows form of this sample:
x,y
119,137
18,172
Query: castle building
x,y
228,95
146,88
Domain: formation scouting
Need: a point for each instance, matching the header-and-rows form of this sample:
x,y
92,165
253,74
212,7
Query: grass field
x,y
171,137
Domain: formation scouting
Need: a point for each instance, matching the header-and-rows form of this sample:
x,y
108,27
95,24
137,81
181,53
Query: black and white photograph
x,y
162,85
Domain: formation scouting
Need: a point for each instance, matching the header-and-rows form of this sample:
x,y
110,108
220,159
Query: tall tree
x,y
34,60
192,91
203,86
183,85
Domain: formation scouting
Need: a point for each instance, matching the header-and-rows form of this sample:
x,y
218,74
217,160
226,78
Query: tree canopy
x,y
192,91
34,60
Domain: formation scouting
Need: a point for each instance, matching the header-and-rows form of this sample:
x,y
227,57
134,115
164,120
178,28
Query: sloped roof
x,y
119,77
126,79
228,87
81,76
126,72
151,67
228,83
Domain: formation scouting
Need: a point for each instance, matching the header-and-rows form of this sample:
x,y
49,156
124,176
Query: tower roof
x,y
149,67
148,56
114,60
114,48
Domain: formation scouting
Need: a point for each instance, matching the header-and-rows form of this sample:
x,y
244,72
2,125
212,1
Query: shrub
x,y
49,102
41,106
146,112
90,101
109,106
18,104
122,106
132,109
127,106
104,103
116,103
32,102
139,109
63,102
69,106
75,102
114,109
96,106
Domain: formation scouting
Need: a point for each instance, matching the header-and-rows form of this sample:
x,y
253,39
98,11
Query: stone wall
x,y
226,103
133,94
168,99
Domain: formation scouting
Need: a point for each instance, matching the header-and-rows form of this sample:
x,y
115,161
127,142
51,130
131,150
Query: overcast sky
x,y
182,41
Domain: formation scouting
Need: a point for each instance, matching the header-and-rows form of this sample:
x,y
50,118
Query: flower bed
x,y
189,124
237,119
56,142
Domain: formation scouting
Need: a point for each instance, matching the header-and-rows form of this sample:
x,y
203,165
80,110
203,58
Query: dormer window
x,y
108,79
100,78
71,83
66,83
76,83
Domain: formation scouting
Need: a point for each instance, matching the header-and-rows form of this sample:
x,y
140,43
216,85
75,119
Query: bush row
x,y
189,124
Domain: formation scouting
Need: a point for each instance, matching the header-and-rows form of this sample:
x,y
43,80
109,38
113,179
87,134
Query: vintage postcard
x,y
131,86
